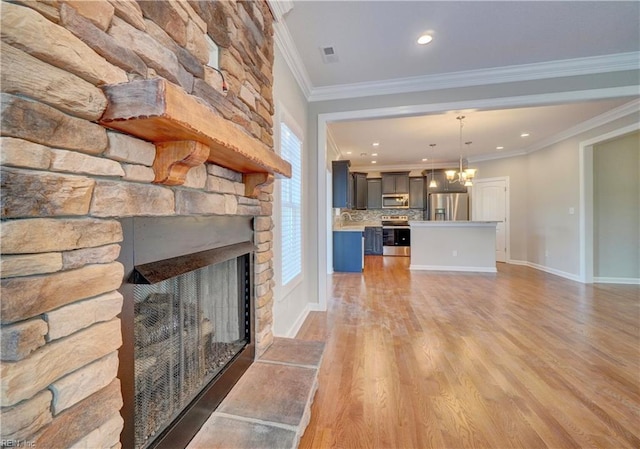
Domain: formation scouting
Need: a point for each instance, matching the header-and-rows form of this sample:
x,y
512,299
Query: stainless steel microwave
x,y
395,201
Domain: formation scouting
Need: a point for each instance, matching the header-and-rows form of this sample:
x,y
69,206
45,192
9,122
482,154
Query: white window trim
x,y
282,115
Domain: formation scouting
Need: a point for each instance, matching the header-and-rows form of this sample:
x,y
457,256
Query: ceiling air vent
x,y
329,55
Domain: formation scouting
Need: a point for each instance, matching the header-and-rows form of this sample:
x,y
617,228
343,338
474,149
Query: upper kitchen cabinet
x,y
416,193
395,183
374,193
342,183
360,187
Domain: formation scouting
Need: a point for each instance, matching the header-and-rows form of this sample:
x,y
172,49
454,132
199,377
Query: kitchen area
x,y
422,215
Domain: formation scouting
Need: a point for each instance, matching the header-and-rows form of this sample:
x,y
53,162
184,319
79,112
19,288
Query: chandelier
x,y
462,176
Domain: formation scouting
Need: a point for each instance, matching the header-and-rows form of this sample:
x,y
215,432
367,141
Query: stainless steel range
x,y
396,235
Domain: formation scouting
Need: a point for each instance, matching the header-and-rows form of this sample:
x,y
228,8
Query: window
x,y
291,207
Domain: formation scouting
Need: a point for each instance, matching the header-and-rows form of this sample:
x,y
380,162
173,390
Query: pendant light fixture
x,y
433,183
463,176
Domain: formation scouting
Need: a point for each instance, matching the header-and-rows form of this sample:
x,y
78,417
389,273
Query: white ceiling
x,y
375,42
404,142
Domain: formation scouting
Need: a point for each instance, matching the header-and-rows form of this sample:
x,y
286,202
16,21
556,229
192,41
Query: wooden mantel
x,y
187,133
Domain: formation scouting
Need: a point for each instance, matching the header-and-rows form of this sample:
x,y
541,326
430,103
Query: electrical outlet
x,y
455,253
546,253
572,211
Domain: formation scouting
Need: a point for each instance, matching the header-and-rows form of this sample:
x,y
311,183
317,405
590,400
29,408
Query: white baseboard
x,y
563,274
609,280
452,268
573,277
315,307
295,327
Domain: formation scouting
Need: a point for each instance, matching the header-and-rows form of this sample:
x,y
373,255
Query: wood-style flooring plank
x,y
517,359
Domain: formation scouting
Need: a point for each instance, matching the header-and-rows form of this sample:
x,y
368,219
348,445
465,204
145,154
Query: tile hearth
x,y
270,405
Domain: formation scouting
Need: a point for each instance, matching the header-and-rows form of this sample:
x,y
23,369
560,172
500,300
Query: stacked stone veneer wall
x,y
66,180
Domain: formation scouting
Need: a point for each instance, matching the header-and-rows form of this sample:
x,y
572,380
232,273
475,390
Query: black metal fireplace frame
x,y
164,243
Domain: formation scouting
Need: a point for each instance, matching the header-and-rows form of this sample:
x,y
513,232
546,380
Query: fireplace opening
x,y
187,325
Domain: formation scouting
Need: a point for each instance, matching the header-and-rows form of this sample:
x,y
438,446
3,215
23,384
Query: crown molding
x,y
632,107
332,147
279,8
501,103
405,167
485,103
525,72
284,41
497,155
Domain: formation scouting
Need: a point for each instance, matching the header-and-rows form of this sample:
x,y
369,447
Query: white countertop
x,y
350,228
451,224
359,226
355,226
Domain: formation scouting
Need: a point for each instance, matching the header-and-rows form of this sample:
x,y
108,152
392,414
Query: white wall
x,y
290,307
545,186
553,239
616,248
516,169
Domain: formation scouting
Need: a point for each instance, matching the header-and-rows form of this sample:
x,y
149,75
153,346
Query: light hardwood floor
x,y
519,359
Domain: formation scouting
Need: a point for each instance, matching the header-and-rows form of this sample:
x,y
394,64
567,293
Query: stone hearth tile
x,y
272,392
224,433
295,352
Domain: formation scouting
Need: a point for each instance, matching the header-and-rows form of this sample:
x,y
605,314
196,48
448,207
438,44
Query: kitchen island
x,y
453,246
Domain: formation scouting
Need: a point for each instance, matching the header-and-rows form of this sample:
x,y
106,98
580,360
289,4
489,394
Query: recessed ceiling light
x,y
374,162
348,152
425,39
376,144
499,148
524,135
424,159
374,154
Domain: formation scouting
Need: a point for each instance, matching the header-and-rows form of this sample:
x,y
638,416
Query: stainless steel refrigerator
x,y
448,206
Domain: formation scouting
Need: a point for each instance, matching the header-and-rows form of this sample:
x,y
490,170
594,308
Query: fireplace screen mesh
x,y
187,329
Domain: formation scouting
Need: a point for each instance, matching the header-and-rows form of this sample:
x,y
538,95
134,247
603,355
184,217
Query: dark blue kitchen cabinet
x,y
342,183
395,183
374,193
360,190
373,241
348,251
416,193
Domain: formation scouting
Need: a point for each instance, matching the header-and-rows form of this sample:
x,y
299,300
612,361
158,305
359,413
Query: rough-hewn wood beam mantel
x,y
163,113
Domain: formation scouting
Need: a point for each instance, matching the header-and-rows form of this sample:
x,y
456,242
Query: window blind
x,y
291,206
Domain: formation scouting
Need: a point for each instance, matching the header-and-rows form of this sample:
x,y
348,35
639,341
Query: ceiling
x,y
375,45
405,142
376,40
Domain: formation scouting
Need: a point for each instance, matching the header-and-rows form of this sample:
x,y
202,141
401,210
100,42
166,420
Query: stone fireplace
x,y
187,320
73,173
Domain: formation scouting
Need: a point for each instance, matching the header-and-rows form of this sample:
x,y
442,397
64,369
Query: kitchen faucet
x,y
347,214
